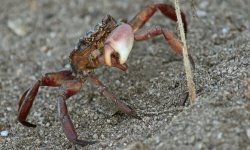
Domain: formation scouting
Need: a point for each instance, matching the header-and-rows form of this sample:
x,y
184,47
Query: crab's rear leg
x,y
145,14
49,79
68,89
174,42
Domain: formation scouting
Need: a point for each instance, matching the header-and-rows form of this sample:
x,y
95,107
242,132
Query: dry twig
x,y
189,76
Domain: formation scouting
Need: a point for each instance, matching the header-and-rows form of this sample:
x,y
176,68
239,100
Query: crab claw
x,y
115,63
120,41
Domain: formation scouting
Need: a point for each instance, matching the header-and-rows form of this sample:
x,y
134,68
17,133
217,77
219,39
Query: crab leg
x,y
49,79
156,31
174,43
143,16
68,89
103,90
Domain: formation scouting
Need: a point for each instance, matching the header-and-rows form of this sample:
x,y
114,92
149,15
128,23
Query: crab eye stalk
x,y
120,41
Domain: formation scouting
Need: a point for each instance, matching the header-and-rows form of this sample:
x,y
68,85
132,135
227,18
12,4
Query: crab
x,y
108,44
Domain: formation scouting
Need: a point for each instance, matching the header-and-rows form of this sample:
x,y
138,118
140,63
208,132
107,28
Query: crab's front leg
x,y
68,89
145,14
172,40
49,79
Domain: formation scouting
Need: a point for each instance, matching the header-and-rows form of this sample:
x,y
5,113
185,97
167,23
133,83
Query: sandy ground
x,y
36,38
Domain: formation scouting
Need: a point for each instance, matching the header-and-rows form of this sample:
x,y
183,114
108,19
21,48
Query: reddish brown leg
x,y
27,99
103,90
174,43
145,14
155,31
68,89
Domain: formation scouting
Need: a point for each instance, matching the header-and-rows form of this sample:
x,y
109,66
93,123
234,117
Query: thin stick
x,y
187,66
